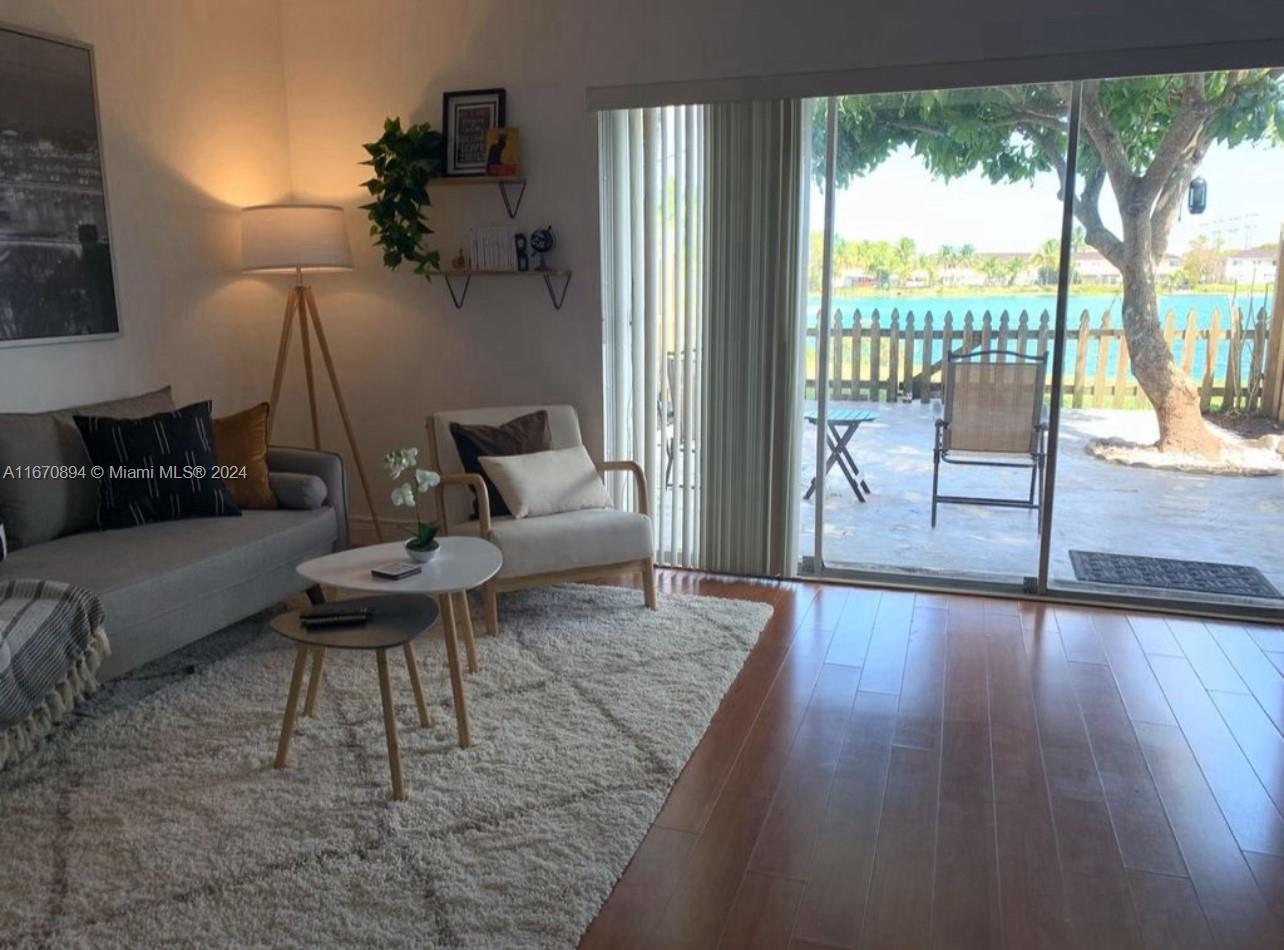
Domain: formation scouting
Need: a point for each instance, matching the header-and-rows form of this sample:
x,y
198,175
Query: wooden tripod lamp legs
x,y
301,303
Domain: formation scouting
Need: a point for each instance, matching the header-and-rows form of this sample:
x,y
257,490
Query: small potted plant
x,y
423,545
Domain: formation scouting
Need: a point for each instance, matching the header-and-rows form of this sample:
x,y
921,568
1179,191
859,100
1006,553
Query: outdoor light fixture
x,y
1197,196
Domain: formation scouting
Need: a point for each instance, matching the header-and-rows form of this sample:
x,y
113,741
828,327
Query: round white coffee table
x,y
459,565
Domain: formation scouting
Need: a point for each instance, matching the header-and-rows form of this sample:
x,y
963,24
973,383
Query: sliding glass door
x,y
1041,344
942,293
1170,478
952,388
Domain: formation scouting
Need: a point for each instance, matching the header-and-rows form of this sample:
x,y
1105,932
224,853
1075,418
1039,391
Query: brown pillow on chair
x,y
519,436
240,440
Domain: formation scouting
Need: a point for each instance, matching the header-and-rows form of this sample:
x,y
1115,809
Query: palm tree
x,y
1047,261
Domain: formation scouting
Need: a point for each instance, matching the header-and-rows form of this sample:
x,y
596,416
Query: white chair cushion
x,y
547,483
563,432
567,541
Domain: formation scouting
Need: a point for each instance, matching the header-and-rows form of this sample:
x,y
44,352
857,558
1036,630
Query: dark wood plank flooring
x,y
908,770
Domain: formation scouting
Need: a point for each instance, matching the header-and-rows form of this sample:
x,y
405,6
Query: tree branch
x,y
1181,137
1113,157
1173,193
1047,145
1087,210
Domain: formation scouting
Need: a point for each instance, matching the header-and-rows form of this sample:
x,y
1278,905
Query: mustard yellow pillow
x,y
240,444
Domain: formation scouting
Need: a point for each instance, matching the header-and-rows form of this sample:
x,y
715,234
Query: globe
x,y
542,240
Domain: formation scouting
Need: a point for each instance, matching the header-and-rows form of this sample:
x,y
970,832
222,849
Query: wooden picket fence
x,y
898,359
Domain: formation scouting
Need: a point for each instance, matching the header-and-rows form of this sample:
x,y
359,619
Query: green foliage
x,y
953,132
1009,132
404,160
424,534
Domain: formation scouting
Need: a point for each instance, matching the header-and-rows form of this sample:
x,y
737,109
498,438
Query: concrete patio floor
x,y
1099,506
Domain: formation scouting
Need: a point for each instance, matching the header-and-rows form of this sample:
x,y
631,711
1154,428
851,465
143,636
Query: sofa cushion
x,y
168,471
36,510
568,541
141,572
298,489
240,444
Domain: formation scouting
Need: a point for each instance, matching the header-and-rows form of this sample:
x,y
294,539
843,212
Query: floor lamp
x,y
292,239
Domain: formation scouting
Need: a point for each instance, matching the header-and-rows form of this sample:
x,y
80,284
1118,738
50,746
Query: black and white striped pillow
x,y
158,468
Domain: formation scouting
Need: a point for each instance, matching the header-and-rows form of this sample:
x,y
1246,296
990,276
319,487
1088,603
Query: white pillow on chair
x,y
547,483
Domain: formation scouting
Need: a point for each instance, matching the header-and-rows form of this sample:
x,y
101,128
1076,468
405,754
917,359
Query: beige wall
x,y
192,109
402,349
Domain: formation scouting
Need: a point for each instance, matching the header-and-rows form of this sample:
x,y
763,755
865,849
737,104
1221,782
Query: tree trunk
x,y
1172,393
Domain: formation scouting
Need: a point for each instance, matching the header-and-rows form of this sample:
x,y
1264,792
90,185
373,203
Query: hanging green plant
x,y
403,160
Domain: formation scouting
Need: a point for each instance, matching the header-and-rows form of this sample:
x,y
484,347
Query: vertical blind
x,y
754,242
652,234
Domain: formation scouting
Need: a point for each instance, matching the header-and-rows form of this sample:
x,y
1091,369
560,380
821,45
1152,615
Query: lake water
x,y
1202,305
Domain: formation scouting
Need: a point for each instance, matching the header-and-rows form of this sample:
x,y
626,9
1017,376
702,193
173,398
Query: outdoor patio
x,y
1100,506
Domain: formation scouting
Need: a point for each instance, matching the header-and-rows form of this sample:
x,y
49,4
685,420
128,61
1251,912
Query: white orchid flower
x,y
403,495
426,480
398,460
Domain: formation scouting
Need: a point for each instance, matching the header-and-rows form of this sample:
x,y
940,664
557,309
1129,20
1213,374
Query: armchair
x,y
550,549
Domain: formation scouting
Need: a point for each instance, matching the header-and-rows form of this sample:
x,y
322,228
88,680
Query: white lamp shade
x,y
288,238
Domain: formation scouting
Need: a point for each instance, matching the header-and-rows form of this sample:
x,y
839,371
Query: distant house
x,y
856,277
1091,268
959,276
1256,266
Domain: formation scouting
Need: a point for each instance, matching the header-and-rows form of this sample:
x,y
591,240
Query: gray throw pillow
x,y
38,509
297,490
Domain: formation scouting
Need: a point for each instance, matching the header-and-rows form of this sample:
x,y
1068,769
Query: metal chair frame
x,y
1038,438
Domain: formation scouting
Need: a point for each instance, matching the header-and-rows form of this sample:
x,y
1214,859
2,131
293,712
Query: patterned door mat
x,y
1206,577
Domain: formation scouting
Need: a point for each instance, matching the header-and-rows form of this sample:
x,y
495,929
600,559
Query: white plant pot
x,y
421,554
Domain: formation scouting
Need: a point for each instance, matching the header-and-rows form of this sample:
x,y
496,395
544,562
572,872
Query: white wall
x,y
192,109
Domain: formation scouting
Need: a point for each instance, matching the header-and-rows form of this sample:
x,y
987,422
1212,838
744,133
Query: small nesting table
x,y
460,565
395,621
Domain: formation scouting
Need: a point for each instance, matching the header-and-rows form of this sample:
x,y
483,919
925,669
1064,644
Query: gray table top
x,y
395,619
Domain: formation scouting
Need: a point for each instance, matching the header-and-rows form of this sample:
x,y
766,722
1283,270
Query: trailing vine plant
x,y
403,161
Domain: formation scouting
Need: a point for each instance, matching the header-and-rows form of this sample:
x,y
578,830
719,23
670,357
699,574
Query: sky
x,y
899,198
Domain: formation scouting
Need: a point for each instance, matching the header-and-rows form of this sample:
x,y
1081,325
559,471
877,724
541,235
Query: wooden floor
x,y
900,770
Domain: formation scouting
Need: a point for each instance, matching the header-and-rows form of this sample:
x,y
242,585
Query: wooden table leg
x,y
470,645
291,706
314,684
456,676
412,667
390,727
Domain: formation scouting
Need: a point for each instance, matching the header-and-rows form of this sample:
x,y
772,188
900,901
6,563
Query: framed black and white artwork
x,y
466,117
56,277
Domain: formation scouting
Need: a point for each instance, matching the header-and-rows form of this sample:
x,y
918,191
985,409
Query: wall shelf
x,y
458,282
511,188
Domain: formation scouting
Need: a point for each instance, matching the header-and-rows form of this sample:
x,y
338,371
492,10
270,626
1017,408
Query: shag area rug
x,y
157,820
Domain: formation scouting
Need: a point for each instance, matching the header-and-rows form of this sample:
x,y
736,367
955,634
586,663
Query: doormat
x,y
1205,577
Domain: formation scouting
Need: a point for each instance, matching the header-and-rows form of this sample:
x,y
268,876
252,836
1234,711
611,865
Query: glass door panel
x,y
1170,483
944,255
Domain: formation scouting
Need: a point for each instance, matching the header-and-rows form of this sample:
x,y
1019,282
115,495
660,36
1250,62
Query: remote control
x,y
335,620
395,570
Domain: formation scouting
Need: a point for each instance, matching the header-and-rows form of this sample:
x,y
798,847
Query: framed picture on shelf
x,y
503,148
467,116
56,281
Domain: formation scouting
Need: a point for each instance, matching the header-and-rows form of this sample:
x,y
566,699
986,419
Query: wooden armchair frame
x,y
645,567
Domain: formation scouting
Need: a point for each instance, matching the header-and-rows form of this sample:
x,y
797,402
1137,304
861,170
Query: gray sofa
x,y
165,585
